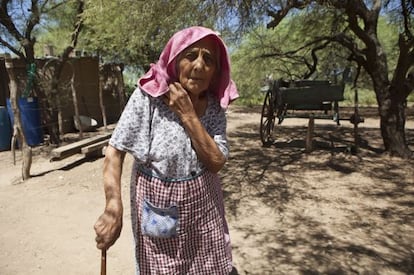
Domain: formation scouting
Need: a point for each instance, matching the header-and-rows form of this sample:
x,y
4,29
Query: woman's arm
x,y
206,148
109,224
204,145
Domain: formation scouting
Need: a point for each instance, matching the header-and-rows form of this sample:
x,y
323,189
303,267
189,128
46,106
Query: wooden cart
x,y
314,99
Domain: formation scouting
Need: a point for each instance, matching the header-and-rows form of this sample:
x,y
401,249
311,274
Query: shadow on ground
x,y
375,233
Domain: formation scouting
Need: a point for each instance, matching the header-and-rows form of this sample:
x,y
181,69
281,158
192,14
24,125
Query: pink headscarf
x,y
155,81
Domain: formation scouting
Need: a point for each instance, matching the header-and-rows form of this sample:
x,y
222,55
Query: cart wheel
x,y
267,121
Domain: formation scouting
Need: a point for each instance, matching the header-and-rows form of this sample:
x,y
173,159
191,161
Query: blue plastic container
x,y
30,114
5,129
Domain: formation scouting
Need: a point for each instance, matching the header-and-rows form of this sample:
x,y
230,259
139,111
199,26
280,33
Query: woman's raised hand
x,y
179,100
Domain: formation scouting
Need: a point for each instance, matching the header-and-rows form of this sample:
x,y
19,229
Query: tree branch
x,y
77,29
353,12
7,22
356,54
407,24
312,67
33,19
281,13
11,48
57,5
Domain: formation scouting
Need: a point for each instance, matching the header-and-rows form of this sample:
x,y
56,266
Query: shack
x,y
84,71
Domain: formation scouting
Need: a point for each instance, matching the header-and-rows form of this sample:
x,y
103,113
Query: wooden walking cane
x,y
103,262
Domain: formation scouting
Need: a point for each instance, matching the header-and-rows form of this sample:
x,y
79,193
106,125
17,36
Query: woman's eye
x,y
208,59
191,56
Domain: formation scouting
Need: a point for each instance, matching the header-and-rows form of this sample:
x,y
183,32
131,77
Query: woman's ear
x,y
176,67
173,69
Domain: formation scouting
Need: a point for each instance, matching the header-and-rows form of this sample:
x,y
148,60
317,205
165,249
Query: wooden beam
x,y
95,149
76,147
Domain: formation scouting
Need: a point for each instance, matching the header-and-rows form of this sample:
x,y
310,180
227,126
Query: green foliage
x,y
366,97
58,19
249,71
127,31
131,74
135,32
410,98
262,55
277,53
388,35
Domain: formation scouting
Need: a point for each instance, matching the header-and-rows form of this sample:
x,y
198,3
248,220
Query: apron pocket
x,y
159,222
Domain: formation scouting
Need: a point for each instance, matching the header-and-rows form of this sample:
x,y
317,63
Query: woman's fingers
x,y
178,100
107,229
176,91
177,95
100,232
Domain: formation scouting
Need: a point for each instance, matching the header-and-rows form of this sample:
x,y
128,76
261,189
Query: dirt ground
x,y
329,211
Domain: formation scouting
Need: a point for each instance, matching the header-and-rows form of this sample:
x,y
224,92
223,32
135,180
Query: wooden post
x,y
309,134
17,126
101,101
75,103
356,115
120,87
60,117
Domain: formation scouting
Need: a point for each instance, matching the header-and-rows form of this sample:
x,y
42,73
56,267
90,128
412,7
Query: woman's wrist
x,y
189,119
114,205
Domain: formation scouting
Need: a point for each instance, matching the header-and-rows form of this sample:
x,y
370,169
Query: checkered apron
x,y
201,245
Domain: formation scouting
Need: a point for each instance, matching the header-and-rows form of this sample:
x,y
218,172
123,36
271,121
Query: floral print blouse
x,y
155,136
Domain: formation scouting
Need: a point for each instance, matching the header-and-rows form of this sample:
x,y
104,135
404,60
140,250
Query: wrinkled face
x,y
197,66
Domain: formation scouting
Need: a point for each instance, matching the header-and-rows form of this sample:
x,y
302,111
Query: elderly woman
x,y
175,127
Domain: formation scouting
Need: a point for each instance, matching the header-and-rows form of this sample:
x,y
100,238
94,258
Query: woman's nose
x,y
199,62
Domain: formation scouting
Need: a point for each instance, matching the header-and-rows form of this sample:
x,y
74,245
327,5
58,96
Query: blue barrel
x,y
30,114
5,129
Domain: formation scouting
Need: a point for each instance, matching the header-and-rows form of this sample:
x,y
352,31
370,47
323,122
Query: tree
x,y
279,53
65,16
21,43
19,21
354,27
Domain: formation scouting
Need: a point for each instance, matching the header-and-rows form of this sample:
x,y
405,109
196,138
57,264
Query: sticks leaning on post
x,y
17,127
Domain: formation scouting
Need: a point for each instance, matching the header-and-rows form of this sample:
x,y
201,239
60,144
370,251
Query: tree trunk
x,y
391,98
17,127
392,124
54,122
